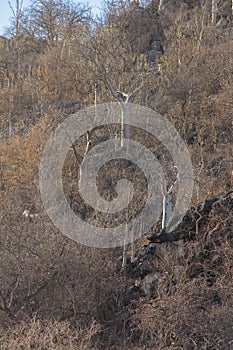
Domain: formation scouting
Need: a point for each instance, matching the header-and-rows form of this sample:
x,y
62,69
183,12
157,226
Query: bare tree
x,y
124,100
53,20
111,60
16,11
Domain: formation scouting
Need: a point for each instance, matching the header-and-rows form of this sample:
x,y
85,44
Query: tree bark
x,y
214,12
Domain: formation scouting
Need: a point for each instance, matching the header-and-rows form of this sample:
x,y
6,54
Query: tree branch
x,y
133,93
111,89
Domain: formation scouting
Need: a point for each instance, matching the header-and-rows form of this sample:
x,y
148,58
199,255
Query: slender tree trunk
x,y
10,126
96,85
167,209
124,259
17,18
82,168
160,5
124,99
16,13
167,202
125,128
179,53
214,12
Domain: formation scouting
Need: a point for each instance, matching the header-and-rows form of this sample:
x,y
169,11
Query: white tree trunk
x,y
214,12
167,209
82,168
179,53
119,96
132,250
124,99
160,5
125,128
167,202
124,258
95,102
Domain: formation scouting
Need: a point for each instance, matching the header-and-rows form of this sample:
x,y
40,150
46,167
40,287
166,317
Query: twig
x,y
13,291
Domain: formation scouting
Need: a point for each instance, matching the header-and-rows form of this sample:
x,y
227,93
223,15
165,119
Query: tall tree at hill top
x,y
17,13
50,20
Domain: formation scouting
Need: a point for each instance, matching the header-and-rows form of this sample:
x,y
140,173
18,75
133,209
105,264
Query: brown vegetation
x,y
57,294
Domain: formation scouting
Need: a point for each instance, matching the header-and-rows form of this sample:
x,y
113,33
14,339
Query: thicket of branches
x,y
52,59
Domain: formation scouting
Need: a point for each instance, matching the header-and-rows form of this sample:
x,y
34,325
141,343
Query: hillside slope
x,y
175,291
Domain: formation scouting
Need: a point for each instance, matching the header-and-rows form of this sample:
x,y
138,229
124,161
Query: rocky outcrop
x,y
168,247
194,216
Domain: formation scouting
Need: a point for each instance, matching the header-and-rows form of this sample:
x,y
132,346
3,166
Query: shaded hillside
x,y
83,292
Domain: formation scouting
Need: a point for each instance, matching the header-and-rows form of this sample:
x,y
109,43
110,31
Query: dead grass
x,y
47,335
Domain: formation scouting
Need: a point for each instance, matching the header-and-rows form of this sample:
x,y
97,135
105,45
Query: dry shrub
x,y
194,308
47,335
20,158
67,286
